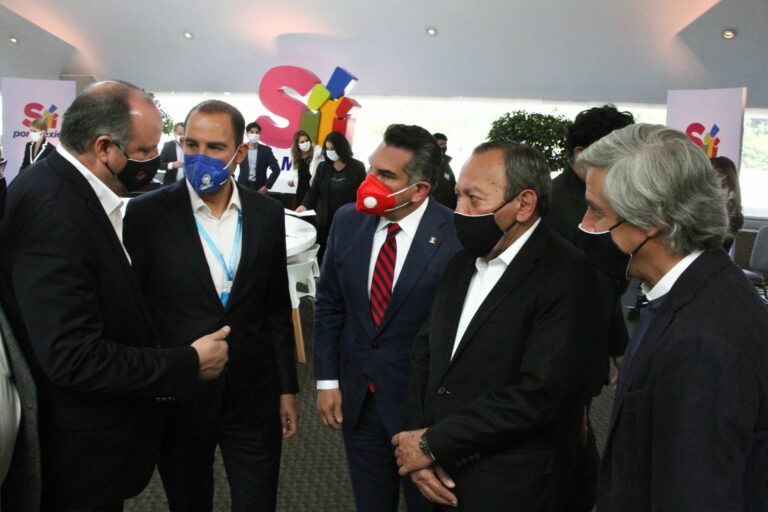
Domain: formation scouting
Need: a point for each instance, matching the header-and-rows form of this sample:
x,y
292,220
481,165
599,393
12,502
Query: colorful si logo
x,y
706,141
34,111
328,108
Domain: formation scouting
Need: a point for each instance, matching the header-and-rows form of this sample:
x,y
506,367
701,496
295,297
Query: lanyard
x,y
229,270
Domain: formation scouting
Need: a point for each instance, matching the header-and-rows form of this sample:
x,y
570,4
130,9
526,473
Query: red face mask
x,y
375,198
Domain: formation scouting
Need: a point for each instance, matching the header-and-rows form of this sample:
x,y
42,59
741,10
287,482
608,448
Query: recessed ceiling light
x,y
431,31
188,35
729,33
13,40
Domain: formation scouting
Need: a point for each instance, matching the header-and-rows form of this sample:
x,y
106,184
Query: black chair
x,y
758,261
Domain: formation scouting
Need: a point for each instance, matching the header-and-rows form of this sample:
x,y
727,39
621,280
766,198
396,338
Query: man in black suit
x,y
565,213
444,191
3,184
496,397
78,312
253,169
361,359
172,156
229,268
690,414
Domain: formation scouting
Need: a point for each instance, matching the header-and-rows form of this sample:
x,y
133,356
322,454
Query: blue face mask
x,y
206,174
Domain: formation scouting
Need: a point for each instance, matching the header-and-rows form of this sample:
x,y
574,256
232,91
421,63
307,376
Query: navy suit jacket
x,y
347,346
689,428
168,258
265,159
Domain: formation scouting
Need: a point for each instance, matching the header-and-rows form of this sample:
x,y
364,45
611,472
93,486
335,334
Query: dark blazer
x,y
347,346
264,159
689,429
3,189
317,195
85,329
167,156
45,150
503,414
169,260
21,488
445,187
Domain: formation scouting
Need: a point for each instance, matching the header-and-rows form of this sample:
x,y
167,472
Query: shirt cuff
x,y
327,384
170,166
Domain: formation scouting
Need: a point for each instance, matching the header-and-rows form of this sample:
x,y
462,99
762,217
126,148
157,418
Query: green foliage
x,y
167,120
754,152
542,131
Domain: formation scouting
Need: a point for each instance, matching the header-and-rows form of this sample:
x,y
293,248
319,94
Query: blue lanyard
x,y
228,269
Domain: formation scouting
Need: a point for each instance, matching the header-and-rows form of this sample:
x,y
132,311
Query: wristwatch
x,y
424,446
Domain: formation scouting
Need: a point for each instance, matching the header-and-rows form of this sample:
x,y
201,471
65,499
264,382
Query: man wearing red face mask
x,y
384,258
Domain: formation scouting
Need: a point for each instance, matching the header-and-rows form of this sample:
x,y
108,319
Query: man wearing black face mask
x,y
496,395
79,314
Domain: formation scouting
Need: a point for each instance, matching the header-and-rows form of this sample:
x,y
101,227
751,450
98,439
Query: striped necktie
x,y
383,275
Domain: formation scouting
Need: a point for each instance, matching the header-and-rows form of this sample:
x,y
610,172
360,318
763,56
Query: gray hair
x,y
525,169
656,176
102,109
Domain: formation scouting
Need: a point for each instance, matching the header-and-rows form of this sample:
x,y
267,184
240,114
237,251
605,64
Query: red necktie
x,y
383,275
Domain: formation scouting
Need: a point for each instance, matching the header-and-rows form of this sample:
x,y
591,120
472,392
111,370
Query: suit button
x,y
442,391
375,345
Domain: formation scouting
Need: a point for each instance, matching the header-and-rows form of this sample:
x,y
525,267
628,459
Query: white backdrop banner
x,y
25,100
712,118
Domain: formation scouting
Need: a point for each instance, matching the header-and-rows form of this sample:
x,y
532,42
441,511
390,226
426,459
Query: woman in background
x,y
38,147
335,184
302,157
729,179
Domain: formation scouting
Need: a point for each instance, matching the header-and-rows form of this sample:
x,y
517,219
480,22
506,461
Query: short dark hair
x,y
222,107
440,136
427,158
253,124
525,168
101,109
593,124
340,146
40,123
177,125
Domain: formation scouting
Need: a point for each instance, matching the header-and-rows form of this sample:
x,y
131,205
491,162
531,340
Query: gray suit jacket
x,y
21,488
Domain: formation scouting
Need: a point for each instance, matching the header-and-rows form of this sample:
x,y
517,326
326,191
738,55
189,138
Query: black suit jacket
x,y
82,321
319,191
45,150
169,260
689,429
167,156
21,487
265,159
444,191
503,414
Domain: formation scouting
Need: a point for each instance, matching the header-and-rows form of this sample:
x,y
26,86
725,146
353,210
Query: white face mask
x,y
253,138
304,146
35,136
332,155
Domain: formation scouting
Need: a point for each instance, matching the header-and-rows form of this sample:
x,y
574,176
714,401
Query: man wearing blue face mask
x,y
496,398
228,267
252,171
385,256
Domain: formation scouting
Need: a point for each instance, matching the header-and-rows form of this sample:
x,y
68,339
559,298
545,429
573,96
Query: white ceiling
x,y
580,50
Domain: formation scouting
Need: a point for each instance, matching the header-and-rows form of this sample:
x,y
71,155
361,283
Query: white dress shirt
x,y
408,226
110,201
179,158
666,283
223,232
252,154
10,413
485,278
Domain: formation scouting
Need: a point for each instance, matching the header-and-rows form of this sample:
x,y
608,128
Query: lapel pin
x,y
433,240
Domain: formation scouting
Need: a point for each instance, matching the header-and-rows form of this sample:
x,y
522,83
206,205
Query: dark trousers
x,y
115,507
250,448
372,466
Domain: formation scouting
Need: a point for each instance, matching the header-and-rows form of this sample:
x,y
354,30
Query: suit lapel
x,y
251,237
360,258
518,269
181,224
426,242
447,327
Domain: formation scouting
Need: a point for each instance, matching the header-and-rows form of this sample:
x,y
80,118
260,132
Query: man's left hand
x,y
409,456
289,415
263,189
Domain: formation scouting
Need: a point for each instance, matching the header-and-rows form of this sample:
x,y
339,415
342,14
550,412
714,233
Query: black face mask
x,y
137,173
606,255
479,234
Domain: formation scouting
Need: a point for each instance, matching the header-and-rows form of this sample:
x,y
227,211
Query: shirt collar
x,y
108,199
199,205
668,281
510,252
408,224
